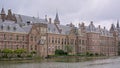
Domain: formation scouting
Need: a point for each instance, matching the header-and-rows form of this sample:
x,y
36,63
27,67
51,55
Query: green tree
x,y
60,52
20,52
118,48
7,53
68,49
0,53
33,53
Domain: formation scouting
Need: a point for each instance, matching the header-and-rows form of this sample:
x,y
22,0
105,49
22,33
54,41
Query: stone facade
x,y
45,36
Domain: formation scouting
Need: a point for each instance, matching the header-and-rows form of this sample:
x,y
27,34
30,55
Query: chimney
x,y
79,25
99,26
104,27
50,20
91,22
83,24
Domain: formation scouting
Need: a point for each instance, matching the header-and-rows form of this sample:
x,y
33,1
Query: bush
x,y
29,55
89,54
96,54
60,52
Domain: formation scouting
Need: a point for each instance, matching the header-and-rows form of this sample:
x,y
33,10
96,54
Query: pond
x,y
113,62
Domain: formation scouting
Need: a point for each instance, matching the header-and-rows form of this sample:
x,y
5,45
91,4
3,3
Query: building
x,y
44,36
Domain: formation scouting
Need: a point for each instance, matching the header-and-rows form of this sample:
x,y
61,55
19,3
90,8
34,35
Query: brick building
x,y
44,36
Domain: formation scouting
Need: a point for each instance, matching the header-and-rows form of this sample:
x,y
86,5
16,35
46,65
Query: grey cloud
x,y
69,10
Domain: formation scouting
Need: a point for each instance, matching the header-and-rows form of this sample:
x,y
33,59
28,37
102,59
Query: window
x,y
4,36
17,37
11,37
80,41
31,38
23,46
56,40
35,38
59,40
49,39
83,42
52,39
23,38
62,41
35,47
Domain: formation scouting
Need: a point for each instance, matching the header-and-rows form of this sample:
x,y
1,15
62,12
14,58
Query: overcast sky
x,y
103,12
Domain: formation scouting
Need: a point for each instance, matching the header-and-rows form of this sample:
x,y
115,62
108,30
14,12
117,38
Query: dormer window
x,y
14,28
2,27
29,22
8,27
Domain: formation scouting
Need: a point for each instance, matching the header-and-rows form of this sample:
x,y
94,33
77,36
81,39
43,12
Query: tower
x,y
3,15
9,16
117,24
112,29
57,21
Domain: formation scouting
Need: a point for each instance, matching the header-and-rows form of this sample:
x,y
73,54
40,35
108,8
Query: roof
x,y
25,19
64,29
10,26
52,28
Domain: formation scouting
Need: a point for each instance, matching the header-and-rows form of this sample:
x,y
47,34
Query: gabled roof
x,y
52,28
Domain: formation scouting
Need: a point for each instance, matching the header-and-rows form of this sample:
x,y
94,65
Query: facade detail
x,y
44,36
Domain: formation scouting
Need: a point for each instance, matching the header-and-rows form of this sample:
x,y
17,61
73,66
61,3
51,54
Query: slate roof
x,y
10,26
24,19
65,29
52,28
101,31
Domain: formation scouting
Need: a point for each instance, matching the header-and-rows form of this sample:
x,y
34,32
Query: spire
x,y
117,24
46,18
57,21
2,11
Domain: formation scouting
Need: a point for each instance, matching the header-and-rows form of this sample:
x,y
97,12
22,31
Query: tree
x,y
68,49
33,53
60,52
20,52
0,53
118,48
7,53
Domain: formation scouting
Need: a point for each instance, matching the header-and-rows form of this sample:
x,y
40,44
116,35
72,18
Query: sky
x,y
101,12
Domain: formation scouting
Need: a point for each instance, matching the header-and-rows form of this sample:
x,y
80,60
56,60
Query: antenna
x,y
38,14
2,3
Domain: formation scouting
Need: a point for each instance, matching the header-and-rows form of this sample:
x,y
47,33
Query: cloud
x,y
75,11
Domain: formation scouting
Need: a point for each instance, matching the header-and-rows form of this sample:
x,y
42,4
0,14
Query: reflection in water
x,y
104,63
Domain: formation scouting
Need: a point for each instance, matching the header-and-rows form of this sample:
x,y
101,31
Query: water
x,y
103,63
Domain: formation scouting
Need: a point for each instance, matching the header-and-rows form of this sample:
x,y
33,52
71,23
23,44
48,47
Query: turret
x,y
3,15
